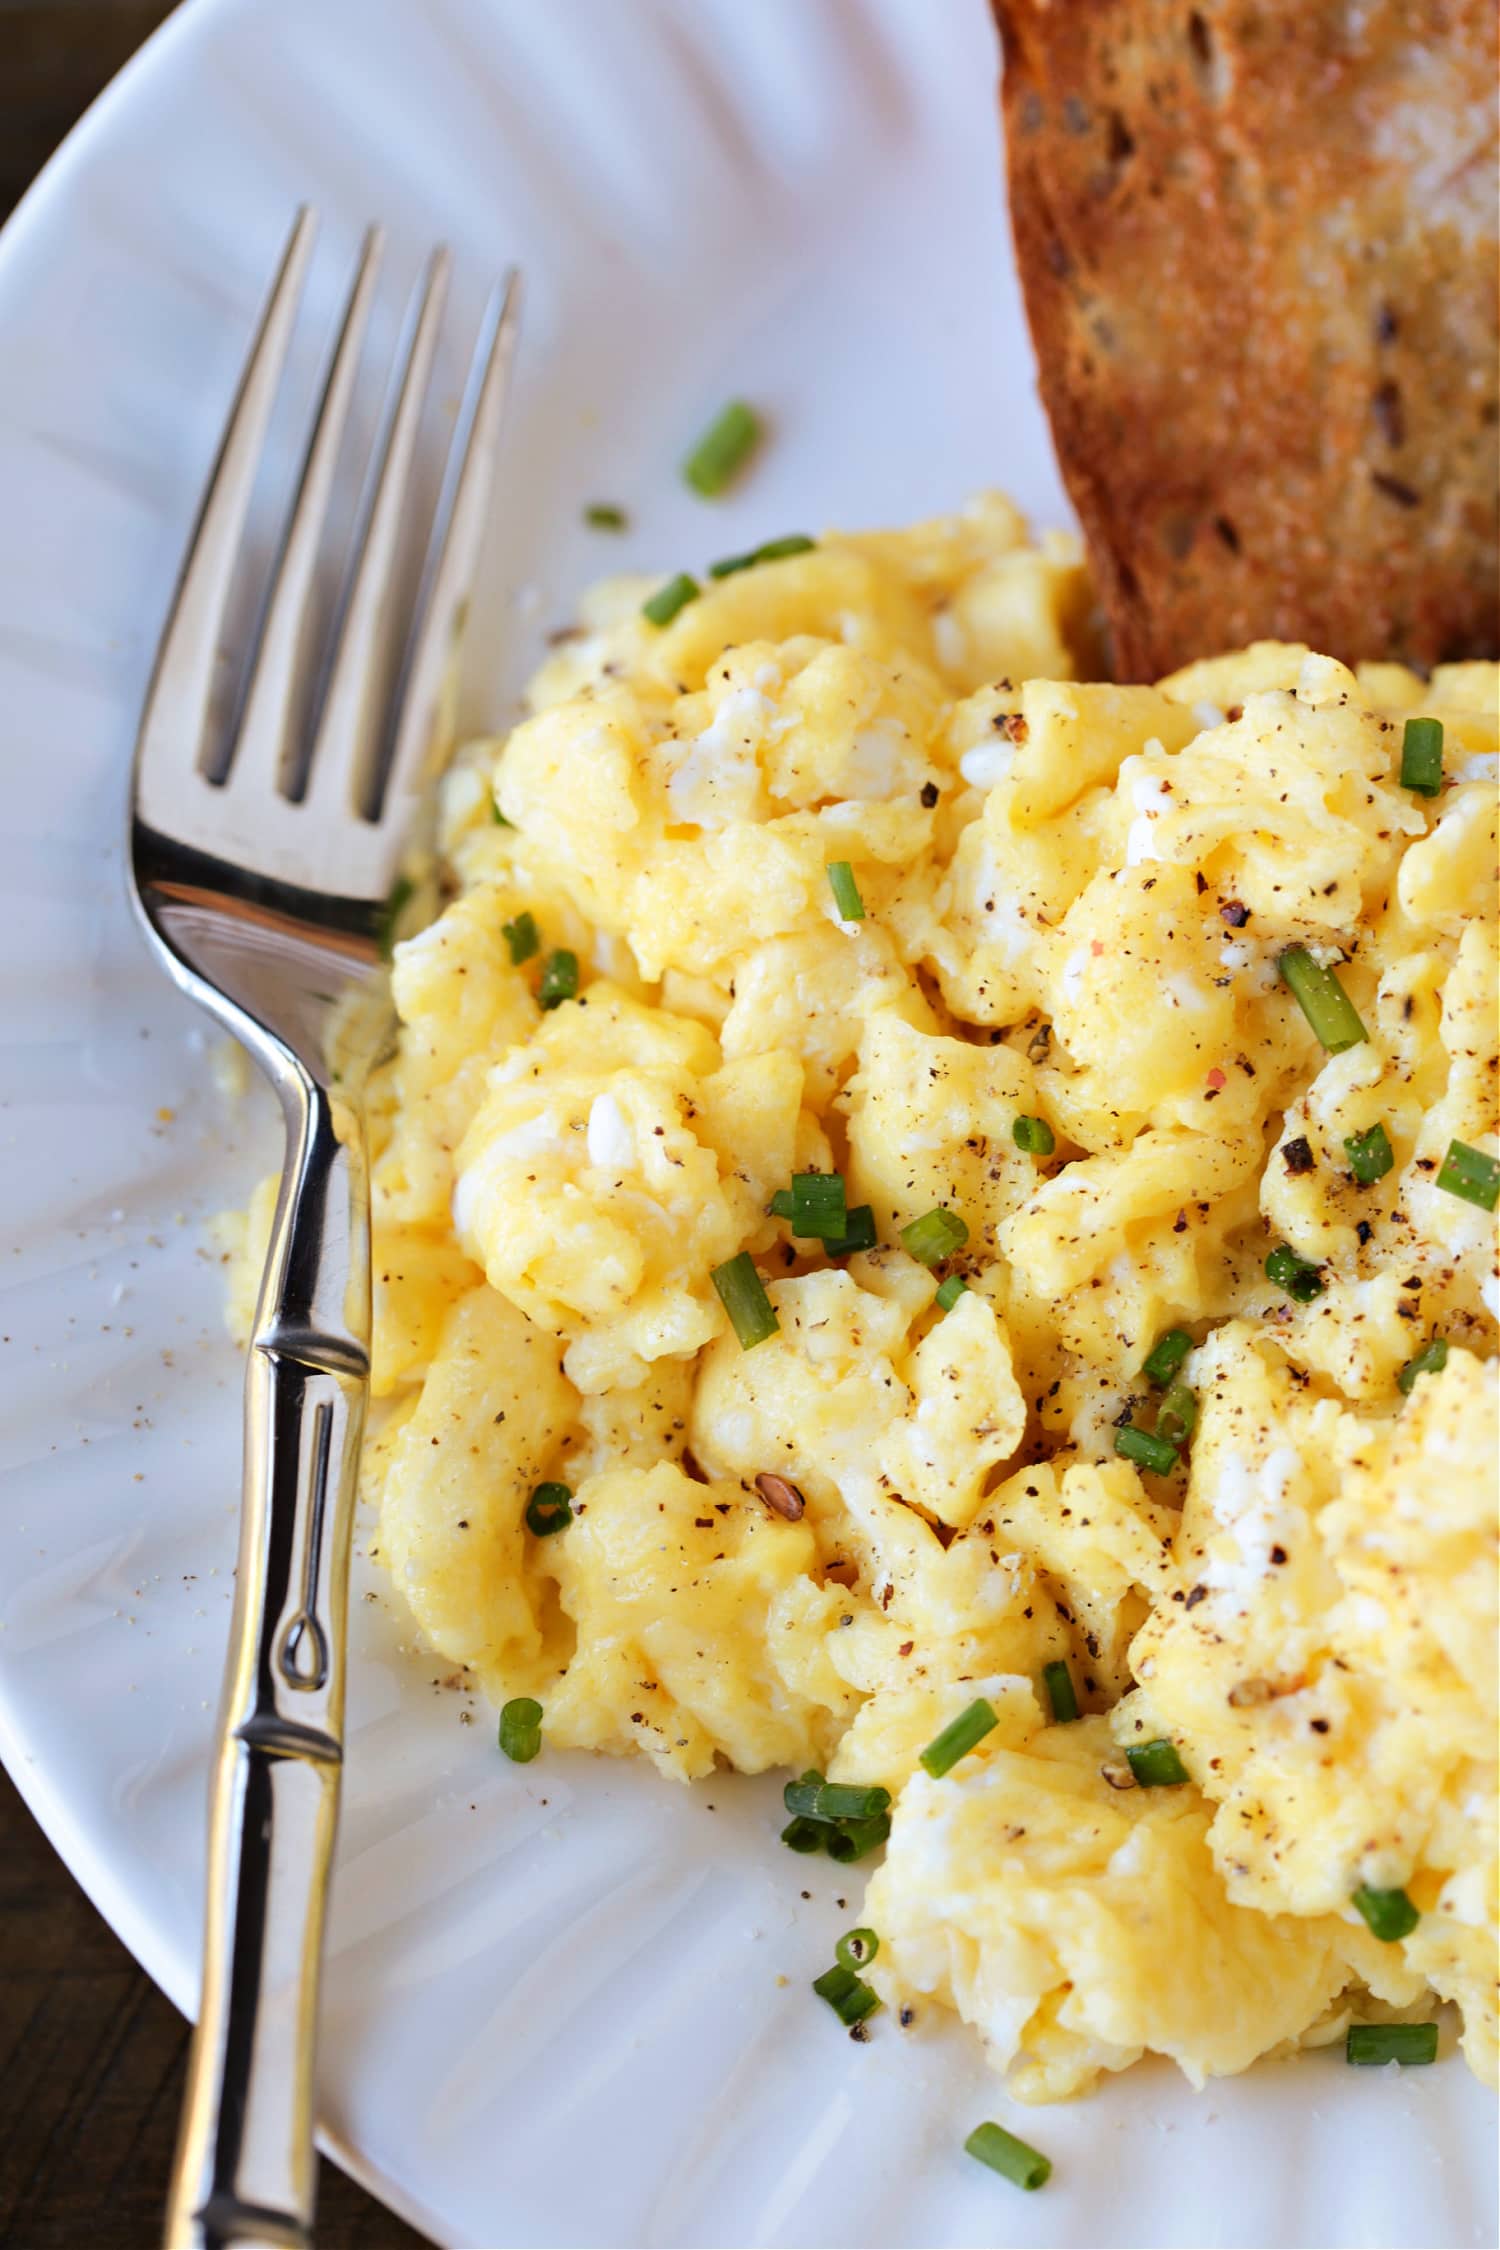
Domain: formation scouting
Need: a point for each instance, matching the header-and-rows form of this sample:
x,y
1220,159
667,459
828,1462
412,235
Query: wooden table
x,y
91,2055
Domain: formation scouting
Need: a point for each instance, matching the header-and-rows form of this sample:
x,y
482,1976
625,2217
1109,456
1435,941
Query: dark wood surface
x,y
91,2055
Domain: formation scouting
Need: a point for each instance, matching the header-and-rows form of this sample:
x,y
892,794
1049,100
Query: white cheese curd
x,y
611,1142
987,762
1252,1505
1150,797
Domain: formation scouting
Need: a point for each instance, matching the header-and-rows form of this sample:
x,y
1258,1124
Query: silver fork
x,y
264,891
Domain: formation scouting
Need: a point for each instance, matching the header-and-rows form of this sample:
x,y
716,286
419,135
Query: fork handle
x,y
245,2171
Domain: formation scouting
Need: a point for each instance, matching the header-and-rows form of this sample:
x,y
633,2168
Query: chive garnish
x,y
722,451
856,1949
1146,1450
1391,2042
1034,1135
817,1799
1370,1154
498,816
949,1292
521,936
1430,1360
549,1509
742,1293
935,1236
1156,1765
1061,1694
1301,1280
1177,1416
822,1819
851,907
770,550
850,1998
521,1729
559,981
1025,2167
1328,1008
1469,1173
815,1206
395,906
1422,756
859,1233
847,1840
959,1737
662,606
1166,1356
1389,1914
603,515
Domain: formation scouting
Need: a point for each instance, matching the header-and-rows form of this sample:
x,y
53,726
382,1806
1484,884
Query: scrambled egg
x,y
1075,901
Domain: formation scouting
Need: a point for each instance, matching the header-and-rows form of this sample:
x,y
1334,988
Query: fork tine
x,y
453,552
177,703
264,756
344,743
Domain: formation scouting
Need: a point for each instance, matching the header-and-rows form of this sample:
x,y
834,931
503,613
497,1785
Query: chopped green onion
x,y
836,1817
549,1509
742,1293
1301,1280
1156,1765
1166,1356
1370,1155
521,1729
950,1291
847,1840
1391,2042
856,1949
603,515
790,543
1431,1360
1327,1006
395,906
818,1206
1034,1135
1146,1449
850,1998
1177,1416
959,1737
1061,1694
859,1234
817,1799
845,891
521,936
1025,2167
722,451
1390,1914
771,550
559,978
498,816
1422,756
935,1236
1469,1173
675,594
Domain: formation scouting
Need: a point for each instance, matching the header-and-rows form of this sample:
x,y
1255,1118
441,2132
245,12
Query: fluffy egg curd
x,y
933,1227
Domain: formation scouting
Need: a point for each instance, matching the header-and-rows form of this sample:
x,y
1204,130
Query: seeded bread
x,y
1258,245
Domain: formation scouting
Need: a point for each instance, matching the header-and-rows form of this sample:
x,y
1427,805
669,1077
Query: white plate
x,y
555,2006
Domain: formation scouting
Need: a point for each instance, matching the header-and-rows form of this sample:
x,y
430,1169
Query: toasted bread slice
x,y
1258,245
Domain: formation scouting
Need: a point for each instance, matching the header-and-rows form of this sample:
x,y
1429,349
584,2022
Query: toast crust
x,y
1258,244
